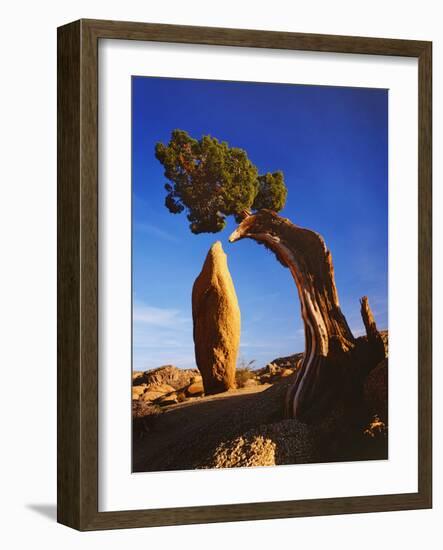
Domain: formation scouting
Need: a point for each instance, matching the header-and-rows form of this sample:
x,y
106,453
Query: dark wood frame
x,y
77,456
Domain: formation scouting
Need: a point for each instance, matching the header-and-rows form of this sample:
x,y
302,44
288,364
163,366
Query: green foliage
x,y
211,180
272,192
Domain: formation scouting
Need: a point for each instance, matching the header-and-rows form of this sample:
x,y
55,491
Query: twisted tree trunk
x,y
334,363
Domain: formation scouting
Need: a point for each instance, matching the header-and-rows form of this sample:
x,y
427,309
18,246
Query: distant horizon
x,y
332,145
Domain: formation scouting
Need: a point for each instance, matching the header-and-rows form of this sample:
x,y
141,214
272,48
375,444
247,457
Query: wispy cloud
x,y
159,317
161,336
155,231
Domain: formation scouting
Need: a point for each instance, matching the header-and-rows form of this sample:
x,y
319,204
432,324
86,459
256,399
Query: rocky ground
x,y
177,427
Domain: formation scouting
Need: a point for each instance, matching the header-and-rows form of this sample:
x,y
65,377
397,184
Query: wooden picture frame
x,y
78,274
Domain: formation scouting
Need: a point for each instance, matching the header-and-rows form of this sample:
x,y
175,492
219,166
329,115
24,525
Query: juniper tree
x,y
211,180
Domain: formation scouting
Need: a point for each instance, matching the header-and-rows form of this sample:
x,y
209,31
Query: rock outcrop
x,y
167,374
195,389
216,317
244,451
289,362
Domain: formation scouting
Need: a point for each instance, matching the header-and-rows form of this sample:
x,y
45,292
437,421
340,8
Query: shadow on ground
x,y
182,437
48,511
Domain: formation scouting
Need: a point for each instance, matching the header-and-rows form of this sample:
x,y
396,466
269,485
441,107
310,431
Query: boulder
x,y
286,372
279,365
289,362
216,317
163,388
137,378
155,391
195,389
170,399
245,451
167,374
272,369
151,395
138,390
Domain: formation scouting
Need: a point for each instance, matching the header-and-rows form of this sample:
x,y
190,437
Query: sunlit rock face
x,y
216,317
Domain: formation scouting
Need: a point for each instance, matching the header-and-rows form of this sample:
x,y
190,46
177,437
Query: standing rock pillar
x,y
216,317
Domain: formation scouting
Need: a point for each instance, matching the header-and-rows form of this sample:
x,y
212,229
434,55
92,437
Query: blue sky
x,y
332,145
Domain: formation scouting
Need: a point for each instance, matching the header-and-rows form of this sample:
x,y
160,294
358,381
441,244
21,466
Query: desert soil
x,y
186,435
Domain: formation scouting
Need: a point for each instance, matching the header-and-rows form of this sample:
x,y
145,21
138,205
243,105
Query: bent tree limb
x,y
334,363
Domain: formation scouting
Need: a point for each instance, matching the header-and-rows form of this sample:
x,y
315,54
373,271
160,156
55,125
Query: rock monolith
x,y
216,317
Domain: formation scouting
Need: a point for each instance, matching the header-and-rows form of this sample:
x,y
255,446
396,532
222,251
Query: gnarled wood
x,y
334,361
369,321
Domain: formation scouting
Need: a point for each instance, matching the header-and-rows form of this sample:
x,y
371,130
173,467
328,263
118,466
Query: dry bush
x,y
242,375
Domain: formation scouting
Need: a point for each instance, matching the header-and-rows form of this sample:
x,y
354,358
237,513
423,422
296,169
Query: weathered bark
x,y
369,322
334,362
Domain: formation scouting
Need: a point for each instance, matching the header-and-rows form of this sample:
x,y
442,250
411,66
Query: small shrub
x,y
242,375
244,372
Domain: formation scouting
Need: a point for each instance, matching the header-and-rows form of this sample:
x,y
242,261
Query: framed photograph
x,y
203,378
